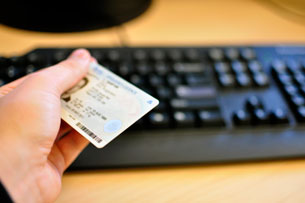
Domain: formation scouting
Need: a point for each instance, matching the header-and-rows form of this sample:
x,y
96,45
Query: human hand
x,y
33,151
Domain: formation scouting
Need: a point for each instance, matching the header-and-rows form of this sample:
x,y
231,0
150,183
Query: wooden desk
x,y
178,22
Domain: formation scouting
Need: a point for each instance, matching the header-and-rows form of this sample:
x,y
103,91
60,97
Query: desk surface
x,y
179,22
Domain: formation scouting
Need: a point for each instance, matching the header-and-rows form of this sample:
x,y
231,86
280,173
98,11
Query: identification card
x,y
102,105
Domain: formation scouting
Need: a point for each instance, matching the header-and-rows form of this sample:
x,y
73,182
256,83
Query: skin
x,y
33,151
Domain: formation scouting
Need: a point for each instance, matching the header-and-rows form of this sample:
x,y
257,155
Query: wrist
x,y
15,173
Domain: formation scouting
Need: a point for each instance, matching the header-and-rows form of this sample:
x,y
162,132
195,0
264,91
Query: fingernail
x,y
82,56
93,60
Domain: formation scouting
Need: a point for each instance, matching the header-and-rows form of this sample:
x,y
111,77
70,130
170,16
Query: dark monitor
x,y
69,16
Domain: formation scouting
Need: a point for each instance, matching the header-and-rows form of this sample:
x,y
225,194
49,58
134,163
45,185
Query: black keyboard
x,y
217,104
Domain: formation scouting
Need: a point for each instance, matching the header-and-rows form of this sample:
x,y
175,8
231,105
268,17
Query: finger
x,y
93,60
64,75
5,89
71,145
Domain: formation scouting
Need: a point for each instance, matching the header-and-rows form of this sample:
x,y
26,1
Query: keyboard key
x,y
232,53
255,67
260,117
195,79
211,119
113,56
137,80
12,72
298,76
60,56
140,55
300,79
143,68
298,100
294,65
261,79
175,55
164,93
241,118
216,54
290,90
253,103
243,80
294,69
278,116
30,69
184,119
158,55
159,120
36,59
226,80
285,79
174,80
248,54
239,67
192,55
198,92
222,67
162,68
189,68
196,104
156,81
279,67
124,70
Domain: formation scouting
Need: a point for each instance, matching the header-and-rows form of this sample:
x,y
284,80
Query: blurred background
x,y
176,22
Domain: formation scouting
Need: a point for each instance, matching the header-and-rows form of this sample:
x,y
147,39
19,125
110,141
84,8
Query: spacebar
x,y
194,104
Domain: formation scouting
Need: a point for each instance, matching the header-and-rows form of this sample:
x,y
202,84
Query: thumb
x,y
64,75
